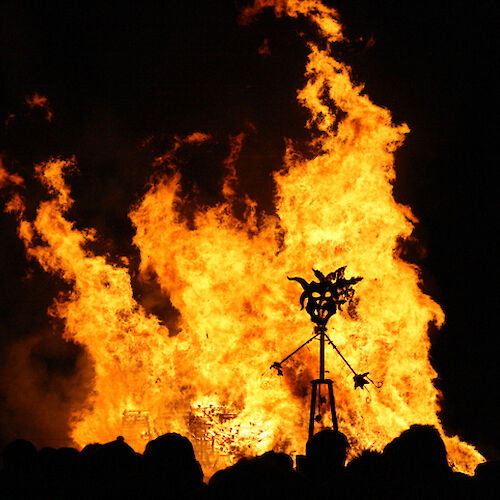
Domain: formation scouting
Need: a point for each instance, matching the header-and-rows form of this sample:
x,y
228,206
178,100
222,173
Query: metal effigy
x,y
321,300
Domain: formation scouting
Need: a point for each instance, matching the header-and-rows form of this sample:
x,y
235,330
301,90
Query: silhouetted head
x,y
89,454
46,455
278,460
116,457
169,450
326,452
67,458
90,449
172,455
268,476
20,456
420,448
369,461
47,462
363,476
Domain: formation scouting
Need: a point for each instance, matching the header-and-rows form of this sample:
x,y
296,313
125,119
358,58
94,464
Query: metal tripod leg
x,y
332,405
314,393
313,408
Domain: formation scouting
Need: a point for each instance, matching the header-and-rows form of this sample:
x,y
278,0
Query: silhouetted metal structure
x,y
322,299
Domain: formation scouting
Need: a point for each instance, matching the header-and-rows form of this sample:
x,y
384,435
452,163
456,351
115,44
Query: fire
x,y
227,279
40,101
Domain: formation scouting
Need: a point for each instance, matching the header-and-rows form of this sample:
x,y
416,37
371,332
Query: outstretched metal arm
x,y
278,366
340,354
360,379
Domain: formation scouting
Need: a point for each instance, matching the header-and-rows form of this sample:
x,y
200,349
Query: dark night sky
x,y
116,73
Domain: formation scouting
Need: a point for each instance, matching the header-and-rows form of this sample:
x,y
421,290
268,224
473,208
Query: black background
x,y
117,73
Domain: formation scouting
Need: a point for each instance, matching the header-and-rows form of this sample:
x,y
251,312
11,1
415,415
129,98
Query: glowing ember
x,y
227,279
41,102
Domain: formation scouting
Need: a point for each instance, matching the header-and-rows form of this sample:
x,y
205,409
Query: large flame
x,y
238,312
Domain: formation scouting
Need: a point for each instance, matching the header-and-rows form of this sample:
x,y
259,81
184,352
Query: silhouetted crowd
x,y
414,465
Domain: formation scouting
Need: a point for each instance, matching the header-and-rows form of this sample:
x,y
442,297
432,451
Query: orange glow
x,y
40,101
6,178
238,312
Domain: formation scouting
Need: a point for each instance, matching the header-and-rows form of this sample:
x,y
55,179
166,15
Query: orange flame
x,y
40,101
6,178
227,279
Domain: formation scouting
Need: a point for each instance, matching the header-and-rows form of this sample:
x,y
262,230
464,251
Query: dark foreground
x,y
412,466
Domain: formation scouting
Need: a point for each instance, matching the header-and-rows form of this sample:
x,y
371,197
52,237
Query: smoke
x,y
43,381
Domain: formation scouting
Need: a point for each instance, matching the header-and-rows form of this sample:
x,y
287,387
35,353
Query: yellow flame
x,y
238,313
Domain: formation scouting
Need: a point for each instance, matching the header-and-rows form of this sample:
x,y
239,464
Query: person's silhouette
x,y
19,477
171,467
323,467
417,465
